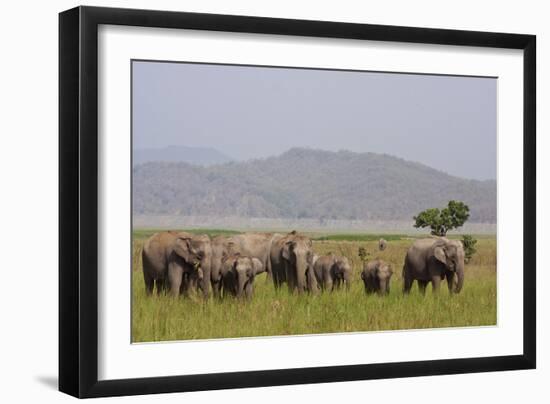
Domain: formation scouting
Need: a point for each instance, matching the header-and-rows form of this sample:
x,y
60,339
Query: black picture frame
x,y
78,201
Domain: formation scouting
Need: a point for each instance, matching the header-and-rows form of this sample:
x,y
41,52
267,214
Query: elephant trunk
x,y
347,281
459,277
383,287
204,282
301,268
241,283
312,285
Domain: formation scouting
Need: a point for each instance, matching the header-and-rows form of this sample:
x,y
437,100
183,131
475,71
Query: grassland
x,y
273,312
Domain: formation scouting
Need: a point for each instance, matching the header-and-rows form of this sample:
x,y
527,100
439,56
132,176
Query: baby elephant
x,y
331,271
238,273
376,277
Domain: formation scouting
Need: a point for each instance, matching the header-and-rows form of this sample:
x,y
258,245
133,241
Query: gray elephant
x,y
291,260
433,260
331,271
177,260
238,273
376,276
382,244
255,245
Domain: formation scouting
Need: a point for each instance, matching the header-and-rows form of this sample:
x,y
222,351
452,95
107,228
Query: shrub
x,y
469,247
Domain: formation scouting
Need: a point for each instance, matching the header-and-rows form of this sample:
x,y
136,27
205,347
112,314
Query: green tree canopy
x,y
469,247
442,220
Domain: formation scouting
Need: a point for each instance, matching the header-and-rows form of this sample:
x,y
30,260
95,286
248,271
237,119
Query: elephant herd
x,y
179,263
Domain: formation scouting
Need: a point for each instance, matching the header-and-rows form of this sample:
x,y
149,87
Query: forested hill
x,y
305,183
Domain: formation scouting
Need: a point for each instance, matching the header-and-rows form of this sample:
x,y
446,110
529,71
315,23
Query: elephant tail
x,y
405,266
144,258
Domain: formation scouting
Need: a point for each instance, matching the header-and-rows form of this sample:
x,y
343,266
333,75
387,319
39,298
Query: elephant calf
x,y
331,271
376,276
238,273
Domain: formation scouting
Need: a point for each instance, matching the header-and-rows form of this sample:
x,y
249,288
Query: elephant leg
x,y
216,288
407,283
436,280
290,278
175,277
326,280
160,286
268,271
276,280
149,283
291,284
249,290
422,286
205,288
184,286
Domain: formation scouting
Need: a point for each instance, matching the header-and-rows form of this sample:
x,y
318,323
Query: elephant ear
x,y
287,247
258,266
336,267
227,263
234,264
439,254
182,245
384,269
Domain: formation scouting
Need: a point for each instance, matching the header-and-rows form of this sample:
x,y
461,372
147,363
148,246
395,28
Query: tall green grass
x,y
277,312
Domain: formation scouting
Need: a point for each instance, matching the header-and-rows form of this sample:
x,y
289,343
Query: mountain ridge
x,y
307,183
194,155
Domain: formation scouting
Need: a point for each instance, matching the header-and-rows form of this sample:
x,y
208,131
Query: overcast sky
x,y
448,123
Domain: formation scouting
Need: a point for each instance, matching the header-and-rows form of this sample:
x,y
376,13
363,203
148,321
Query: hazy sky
x,y
448,123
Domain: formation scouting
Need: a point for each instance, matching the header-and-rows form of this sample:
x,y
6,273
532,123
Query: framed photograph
x,y
250,201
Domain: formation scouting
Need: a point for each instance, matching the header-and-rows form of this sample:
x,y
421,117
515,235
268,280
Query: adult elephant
x,y
433,260
291,259
238,274
177,260
331,271
254,245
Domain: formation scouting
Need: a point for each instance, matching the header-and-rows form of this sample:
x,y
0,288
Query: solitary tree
x,y
442,220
